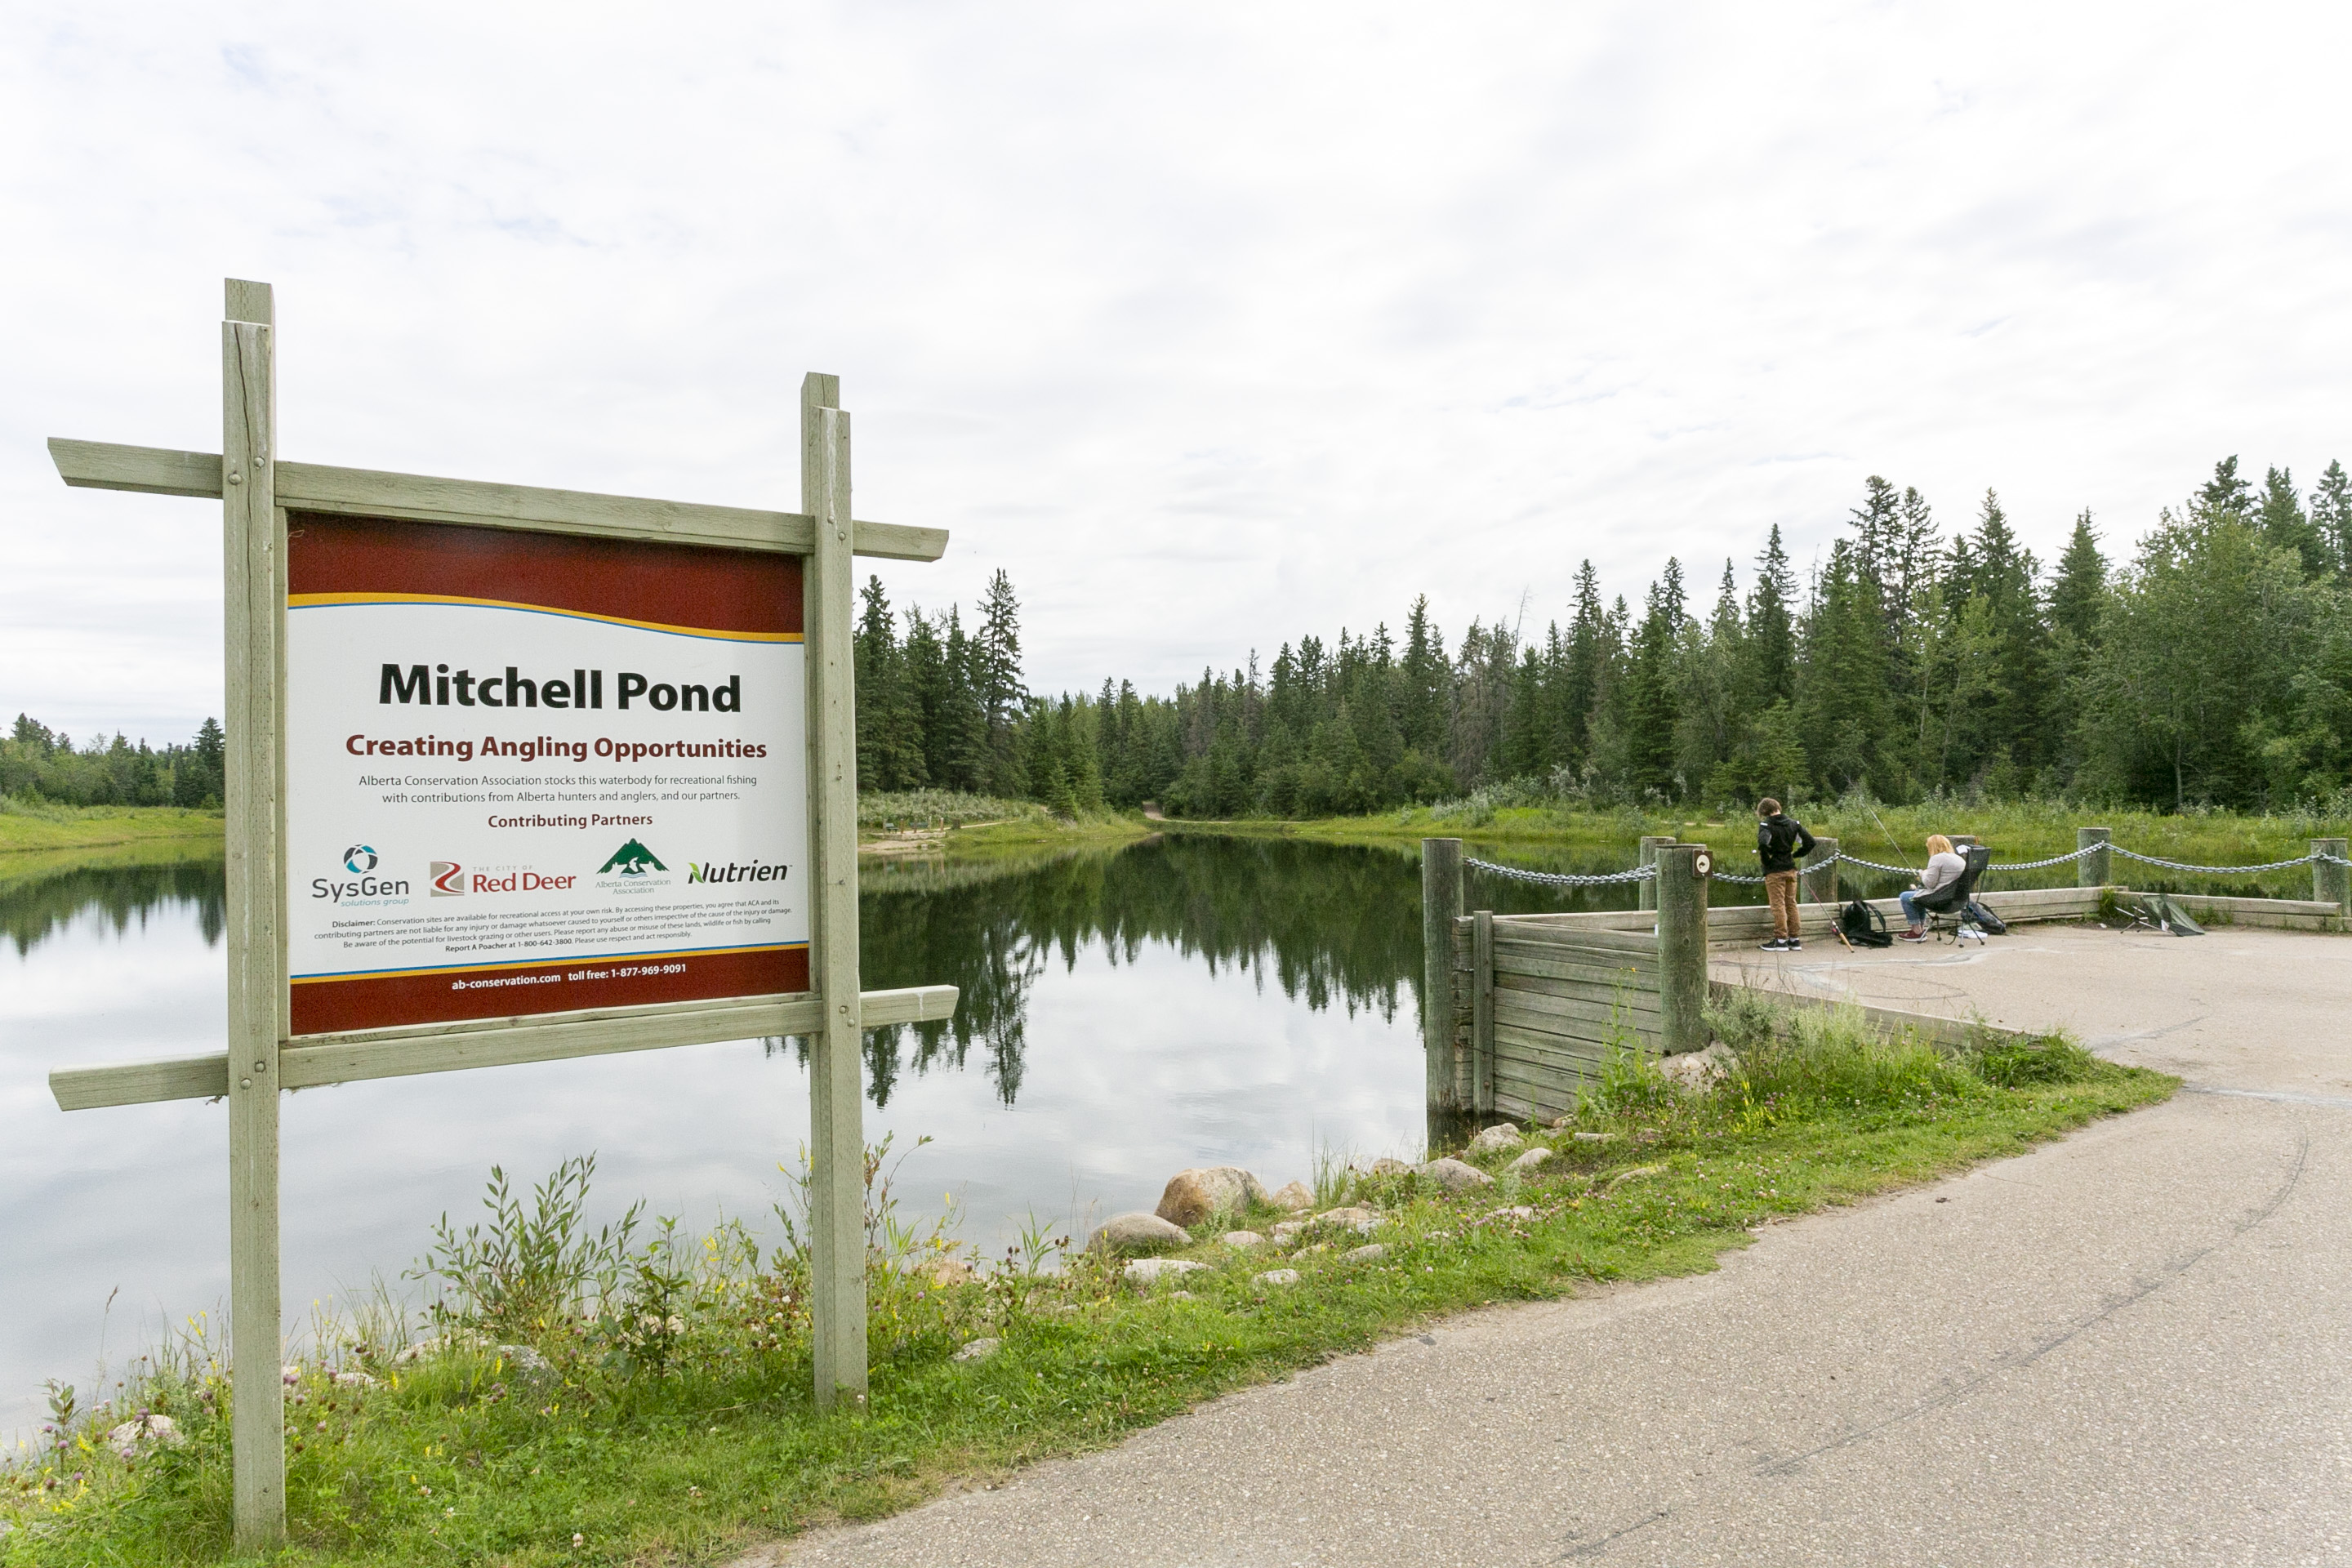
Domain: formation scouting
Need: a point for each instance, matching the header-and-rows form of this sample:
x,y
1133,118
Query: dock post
x,y
2332,884
1482,1012
1441,905
1821,867
1648,899
2094,870
1682,947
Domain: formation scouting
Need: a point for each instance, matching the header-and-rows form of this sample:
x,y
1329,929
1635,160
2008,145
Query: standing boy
x,y
1779,840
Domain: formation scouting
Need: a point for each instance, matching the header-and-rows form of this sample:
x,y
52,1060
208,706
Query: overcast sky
x,y
1211,324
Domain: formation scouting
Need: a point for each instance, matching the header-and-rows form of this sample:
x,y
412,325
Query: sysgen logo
x,y
448,879
361,887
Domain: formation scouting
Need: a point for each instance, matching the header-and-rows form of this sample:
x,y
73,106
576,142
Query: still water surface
x,y
1183,1000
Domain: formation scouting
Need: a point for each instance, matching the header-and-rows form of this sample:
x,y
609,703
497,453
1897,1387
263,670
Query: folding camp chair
x,y
1947,907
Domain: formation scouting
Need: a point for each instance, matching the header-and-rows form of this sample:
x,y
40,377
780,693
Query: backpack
x,y
1985,920
1863,926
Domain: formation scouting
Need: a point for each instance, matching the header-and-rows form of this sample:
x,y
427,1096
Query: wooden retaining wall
x,y
1537,1009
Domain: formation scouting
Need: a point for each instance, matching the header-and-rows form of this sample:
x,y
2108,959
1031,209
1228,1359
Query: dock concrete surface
x,y
2133,1346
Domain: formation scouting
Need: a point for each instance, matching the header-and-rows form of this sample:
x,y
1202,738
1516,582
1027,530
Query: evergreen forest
x,y
2210,665
40,764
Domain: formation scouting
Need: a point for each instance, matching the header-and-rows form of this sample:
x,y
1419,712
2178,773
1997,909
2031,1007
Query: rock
x,y
1150,1271
1371,1253
1136,1232
1596,1137
1496,1139
1288,1231
1277,1277
1297,1195
946,1269
354,1380
980,1349
1695,1072
141,1431
1192,1196
1637,1173
1533,1160
1362,1221
1518,1211
523,1358
1386,1166
1242,1241
1182,1296
1454,1176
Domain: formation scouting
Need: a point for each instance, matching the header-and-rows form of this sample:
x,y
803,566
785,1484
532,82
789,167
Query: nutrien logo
x,y
633,859
448,879
359,859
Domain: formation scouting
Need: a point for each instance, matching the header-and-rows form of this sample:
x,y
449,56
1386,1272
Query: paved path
x,y
2127,1348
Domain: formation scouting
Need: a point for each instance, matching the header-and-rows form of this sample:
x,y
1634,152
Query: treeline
x,y
2211,666
38,763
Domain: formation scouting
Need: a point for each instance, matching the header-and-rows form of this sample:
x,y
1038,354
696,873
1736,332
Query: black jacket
x,y
1779,840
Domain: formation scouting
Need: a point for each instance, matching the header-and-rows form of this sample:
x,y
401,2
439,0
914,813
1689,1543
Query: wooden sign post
x,y
644,831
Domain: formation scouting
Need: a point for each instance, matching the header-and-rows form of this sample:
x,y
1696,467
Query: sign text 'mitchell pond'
x,y
437,686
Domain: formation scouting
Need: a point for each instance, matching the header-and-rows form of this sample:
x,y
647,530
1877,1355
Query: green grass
x,y
41,827
676,1426
958,826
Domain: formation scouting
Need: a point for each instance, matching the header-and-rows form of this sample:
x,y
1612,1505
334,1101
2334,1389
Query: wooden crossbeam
x,y
313,1061
367,492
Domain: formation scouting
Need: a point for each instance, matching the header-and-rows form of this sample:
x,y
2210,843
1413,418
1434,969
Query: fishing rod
x,y
1900,853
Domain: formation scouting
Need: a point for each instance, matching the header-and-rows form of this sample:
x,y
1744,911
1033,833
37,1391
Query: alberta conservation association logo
x,y
631,859
448,880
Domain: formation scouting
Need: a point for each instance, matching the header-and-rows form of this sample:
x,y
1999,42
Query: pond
x,y
1187,1000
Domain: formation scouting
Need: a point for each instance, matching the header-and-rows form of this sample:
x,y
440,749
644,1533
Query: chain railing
x,y
1562,879
1645,873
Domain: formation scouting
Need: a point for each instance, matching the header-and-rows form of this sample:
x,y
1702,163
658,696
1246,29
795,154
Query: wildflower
x,y
578,1539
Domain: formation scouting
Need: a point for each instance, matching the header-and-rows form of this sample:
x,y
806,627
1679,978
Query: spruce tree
x,y
1877,523
2331,511
1771,635
2080,588
2226,494
996,679
889,739
2288,527
1420,710
1841,710
1583,678
1654,707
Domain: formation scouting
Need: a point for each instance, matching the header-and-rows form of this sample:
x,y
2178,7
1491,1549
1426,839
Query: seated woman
x,y
1943,869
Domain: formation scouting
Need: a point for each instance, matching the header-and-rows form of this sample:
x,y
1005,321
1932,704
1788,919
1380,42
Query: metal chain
x,y
1644,873
2224,870
1562,879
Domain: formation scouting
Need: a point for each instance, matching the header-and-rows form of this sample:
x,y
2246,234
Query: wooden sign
x,y
516,774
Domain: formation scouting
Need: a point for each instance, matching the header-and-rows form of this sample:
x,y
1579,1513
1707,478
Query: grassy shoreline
x,y
39,828
678,1428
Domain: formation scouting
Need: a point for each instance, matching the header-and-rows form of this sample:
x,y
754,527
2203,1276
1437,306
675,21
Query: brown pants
x,y
1781,892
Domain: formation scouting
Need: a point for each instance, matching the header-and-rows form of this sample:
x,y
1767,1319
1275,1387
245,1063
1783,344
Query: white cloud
x,y
1211,324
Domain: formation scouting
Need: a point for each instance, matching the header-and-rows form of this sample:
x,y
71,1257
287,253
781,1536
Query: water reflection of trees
x,y
1332,926
33,910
